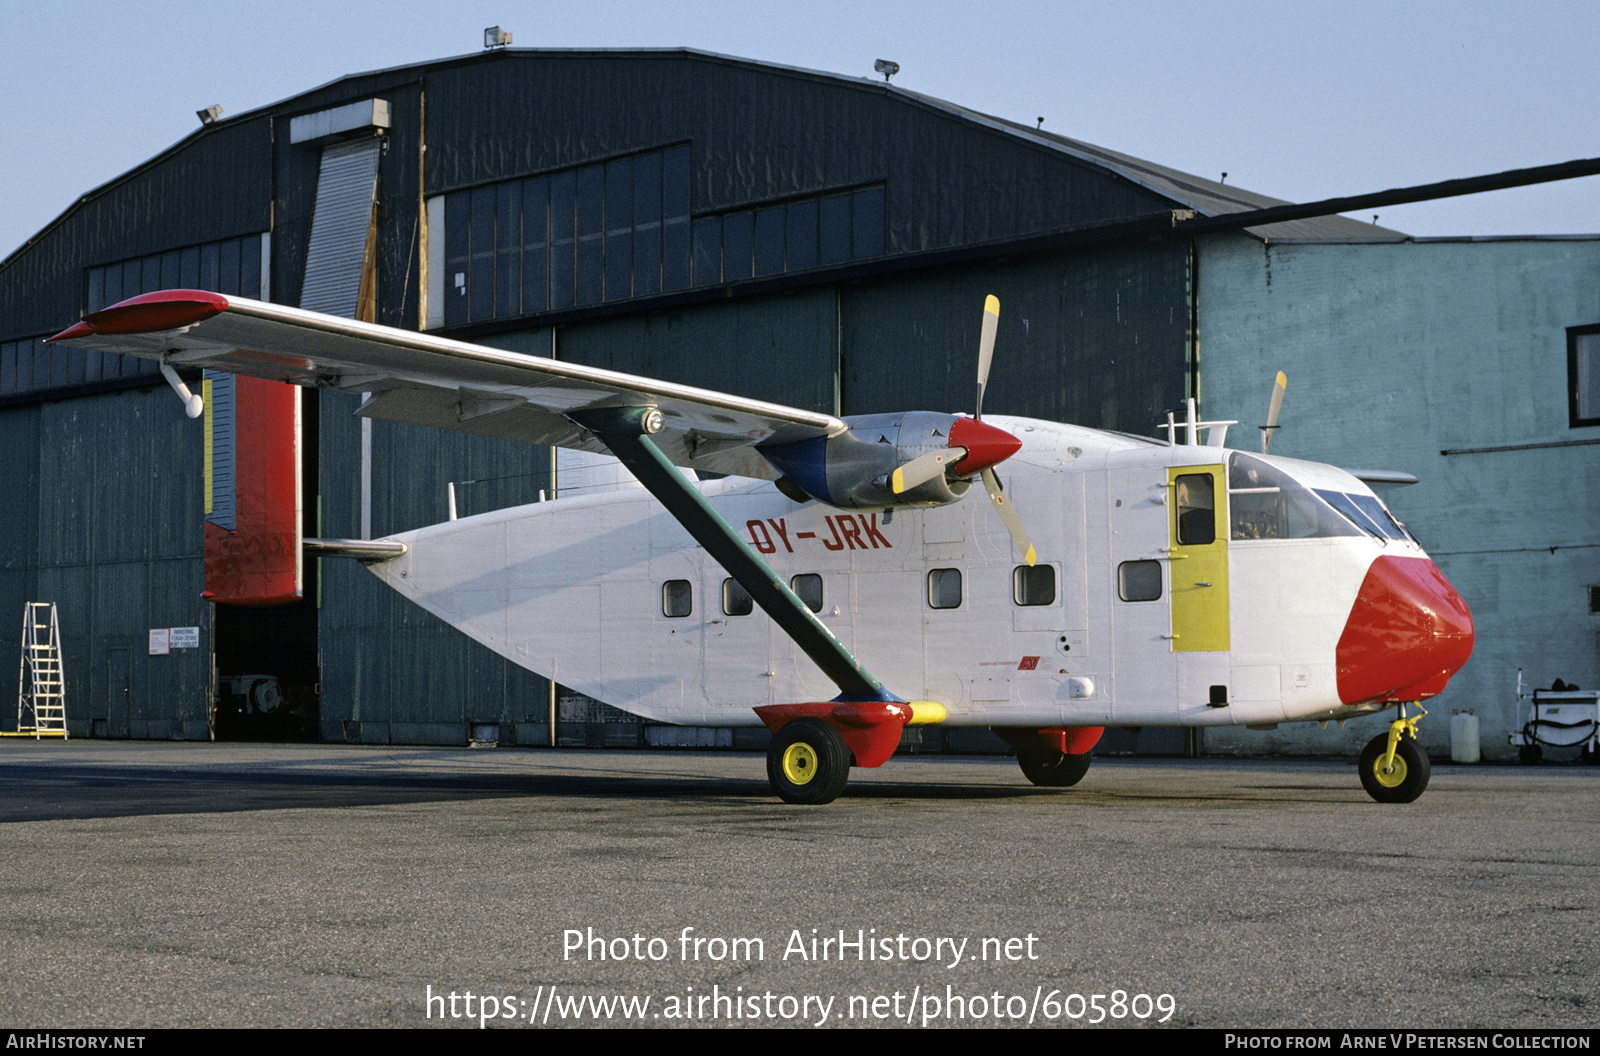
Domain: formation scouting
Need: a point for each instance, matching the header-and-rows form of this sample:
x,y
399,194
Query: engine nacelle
x,y
853,469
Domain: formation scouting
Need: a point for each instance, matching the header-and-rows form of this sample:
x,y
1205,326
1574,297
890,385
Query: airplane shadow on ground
x,y
63,791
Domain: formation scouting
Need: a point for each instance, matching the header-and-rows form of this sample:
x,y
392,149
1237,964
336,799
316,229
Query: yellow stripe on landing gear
x,y
925,712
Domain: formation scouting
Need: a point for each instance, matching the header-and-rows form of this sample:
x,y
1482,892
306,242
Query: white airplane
x,y
1159,582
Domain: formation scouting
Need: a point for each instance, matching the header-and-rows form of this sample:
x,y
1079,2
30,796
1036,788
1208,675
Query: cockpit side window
x,y
1266,503
1197,509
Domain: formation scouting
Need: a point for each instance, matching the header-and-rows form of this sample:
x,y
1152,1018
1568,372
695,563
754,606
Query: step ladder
x,y
41,687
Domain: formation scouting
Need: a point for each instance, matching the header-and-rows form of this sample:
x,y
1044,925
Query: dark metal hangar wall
x,y
800,237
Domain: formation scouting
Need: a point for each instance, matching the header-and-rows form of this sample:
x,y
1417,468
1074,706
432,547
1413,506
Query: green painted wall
x,y
1395,353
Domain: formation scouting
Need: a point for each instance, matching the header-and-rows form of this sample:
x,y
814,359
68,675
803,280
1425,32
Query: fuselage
x,y
1176,585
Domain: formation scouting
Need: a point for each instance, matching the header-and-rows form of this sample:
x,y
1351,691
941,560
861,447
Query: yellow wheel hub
x,y
799,763
1393,778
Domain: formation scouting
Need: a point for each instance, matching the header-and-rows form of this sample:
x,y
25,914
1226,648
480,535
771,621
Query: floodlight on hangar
x,y
210,114
495,37
886,67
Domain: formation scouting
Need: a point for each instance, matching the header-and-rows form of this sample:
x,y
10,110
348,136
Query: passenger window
x,y
677,598
1033,586
1196,509
736,601
808,588
944,588
1139,580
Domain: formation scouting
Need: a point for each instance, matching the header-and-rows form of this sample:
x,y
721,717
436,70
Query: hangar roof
x,y
1186,190
1208,197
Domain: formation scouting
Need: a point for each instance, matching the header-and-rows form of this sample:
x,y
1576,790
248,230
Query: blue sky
x,y
1299,100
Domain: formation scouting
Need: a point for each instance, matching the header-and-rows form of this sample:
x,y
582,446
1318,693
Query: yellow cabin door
x,y
1199,542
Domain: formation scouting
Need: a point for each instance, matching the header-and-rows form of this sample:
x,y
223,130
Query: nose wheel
x,y
1394,768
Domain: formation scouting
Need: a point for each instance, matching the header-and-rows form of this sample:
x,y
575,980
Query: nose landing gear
x,y
1393,767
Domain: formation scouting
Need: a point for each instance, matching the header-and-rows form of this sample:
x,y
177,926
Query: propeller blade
x,y
924,468
1008,514
991,323
1272,411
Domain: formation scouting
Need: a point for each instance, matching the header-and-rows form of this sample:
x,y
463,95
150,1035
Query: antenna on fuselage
x,y
1216,432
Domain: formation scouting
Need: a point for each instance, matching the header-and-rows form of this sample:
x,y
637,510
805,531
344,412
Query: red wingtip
x,y
75,330
986,445
149,313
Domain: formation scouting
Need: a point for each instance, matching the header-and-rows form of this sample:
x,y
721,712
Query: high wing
x,y
427,380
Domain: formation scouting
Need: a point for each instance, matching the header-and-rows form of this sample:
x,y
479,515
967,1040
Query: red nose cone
x,y
1408,632
986,446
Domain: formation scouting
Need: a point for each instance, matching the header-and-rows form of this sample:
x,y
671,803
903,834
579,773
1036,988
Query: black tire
x,y
808,762
1406,781
1049,769
1529,754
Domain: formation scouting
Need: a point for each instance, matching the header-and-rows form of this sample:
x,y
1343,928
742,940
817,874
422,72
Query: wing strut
x,y
625,431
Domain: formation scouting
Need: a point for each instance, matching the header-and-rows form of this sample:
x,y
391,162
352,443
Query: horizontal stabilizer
x,y
365,550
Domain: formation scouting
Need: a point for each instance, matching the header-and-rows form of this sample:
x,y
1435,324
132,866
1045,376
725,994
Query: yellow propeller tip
x,y
897,483
991,304
1032,557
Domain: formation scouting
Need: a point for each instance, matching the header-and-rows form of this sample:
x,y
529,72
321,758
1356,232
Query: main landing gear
x,y
808,762
1052,758
1053,769
1394,768
815,745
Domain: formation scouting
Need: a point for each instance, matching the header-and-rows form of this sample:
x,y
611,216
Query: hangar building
x,y
801,237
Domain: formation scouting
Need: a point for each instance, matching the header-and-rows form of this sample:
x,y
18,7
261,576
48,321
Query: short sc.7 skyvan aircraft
x,y
1157,582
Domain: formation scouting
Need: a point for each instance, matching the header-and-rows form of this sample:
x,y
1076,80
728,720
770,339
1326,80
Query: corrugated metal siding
x,y
392,673
337,252
217,185
19,533
399,248
773,348
761,134
222,505
1096,339
105,524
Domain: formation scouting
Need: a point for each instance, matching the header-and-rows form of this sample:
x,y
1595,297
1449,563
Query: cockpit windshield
x,y
1367,512
1264,502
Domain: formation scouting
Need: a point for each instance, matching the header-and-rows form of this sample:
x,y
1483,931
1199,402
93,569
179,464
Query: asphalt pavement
x,y
184,884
